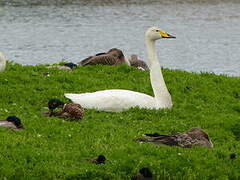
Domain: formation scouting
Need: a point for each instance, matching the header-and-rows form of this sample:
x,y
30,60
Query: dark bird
x,y
112,57
143,174
193,137
99,160
69,111
12,122
135,62
233,156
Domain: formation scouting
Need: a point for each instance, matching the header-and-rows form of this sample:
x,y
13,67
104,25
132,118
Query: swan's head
x,y
154,33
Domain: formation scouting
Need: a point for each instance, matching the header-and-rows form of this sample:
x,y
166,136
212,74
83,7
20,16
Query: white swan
x,y
2,62
117,100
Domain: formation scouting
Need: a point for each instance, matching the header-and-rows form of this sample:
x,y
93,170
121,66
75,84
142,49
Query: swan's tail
x,y
73,97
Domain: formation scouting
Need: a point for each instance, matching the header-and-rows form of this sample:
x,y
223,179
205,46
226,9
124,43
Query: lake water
x,y
44,32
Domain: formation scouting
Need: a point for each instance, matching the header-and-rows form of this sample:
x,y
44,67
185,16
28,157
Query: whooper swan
x,y
117,100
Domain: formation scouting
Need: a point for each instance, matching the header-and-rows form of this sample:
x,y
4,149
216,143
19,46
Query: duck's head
x,y
154,33
101,159
71,65
15,120
145,172
53,104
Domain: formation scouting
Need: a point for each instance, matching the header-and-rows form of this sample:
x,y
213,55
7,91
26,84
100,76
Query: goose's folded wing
x,y
85,61
101,59
160,139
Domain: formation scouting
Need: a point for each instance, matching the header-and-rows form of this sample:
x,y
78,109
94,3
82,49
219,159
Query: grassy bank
x,y
51,148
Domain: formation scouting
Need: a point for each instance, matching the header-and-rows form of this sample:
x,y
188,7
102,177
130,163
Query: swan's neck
x,y
2,62
161,94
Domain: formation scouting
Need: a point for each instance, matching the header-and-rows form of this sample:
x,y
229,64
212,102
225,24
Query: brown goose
x,y
193,137
140,64
12,122
72,112
112,57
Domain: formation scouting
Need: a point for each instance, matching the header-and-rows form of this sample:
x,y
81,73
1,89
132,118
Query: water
x,y
208,34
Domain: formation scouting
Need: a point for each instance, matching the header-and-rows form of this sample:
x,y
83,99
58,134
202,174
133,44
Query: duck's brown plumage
x,y
112,57
193,137
134,61
71,111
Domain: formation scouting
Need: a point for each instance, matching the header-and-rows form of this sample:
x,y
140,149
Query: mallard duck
x,y
2,62
143,174
113,57
99,160
66,66
12,122
135,62
193,137
69,111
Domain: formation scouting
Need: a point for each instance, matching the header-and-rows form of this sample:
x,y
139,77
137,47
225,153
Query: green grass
x,y
51,148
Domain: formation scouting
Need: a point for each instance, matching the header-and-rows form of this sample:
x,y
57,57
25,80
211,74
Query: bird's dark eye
x,y
157,30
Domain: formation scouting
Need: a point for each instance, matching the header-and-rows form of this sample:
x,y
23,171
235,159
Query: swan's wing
x,y
112,100
103,59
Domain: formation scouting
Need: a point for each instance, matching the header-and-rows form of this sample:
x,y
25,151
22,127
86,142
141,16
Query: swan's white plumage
x,y
114,100
117,100
2,62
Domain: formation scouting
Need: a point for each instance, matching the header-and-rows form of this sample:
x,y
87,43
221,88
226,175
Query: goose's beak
x,y
166,35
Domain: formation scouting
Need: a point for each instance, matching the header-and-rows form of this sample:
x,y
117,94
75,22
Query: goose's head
x,y
16,121
154,33
116,53
198,133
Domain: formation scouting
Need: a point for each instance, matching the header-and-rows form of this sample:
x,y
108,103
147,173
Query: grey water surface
x,y
45,32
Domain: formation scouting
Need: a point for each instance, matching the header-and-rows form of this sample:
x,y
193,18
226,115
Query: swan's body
x,y
2,62
117,100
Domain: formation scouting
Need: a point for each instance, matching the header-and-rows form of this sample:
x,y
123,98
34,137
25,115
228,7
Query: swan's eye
x,y
157,30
